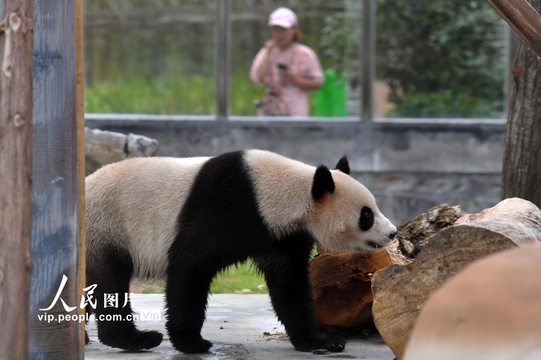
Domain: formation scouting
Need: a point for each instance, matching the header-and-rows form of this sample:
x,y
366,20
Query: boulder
x,y
401,290
105,147
490,310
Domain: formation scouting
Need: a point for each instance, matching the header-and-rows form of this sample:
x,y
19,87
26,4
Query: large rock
x,y
491,310
401,290
105,147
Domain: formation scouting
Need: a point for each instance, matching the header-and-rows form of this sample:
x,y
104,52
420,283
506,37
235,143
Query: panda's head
x,y
344,215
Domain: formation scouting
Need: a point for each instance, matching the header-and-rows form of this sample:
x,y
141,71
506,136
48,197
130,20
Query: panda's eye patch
x,y
367,218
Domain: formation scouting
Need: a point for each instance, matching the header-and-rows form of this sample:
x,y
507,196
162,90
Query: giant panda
x,y
186,219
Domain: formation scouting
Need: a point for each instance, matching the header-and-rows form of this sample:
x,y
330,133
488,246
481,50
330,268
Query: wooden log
x,y
15,176
413,235
55,241
81,216
400,291
523,18
488,311
342,288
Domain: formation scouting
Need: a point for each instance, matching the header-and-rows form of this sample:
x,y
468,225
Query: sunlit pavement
x,y
240,327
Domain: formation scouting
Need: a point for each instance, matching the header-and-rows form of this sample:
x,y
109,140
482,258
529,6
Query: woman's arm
x,y
311,76
261,64
302,82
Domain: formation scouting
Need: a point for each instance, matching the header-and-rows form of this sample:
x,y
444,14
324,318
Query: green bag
x,y
331,99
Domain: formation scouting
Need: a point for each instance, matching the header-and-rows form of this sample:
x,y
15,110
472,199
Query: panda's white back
x,y
137,203
282,188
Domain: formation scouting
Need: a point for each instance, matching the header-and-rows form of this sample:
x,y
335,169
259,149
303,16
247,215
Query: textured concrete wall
x,y
409,166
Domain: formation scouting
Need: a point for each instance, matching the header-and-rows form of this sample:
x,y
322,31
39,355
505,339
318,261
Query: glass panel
x,y
440,59
330,28
149,57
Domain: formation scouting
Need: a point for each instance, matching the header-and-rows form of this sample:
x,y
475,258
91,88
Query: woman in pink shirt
x,y
287,68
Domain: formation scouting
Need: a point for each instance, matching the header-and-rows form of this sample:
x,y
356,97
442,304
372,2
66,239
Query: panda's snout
x,y
392,235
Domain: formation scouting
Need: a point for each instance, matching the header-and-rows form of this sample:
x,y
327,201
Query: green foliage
x,y
150,287
242,279
186,95
338,44
179,94
152,96
445,48
239,279
243,93
445,104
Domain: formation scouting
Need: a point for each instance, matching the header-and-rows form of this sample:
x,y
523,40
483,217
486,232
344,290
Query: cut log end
x,y
342,288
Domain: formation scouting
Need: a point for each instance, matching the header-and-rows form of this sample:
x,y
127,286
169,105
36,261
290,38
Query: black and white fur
x,y
188,219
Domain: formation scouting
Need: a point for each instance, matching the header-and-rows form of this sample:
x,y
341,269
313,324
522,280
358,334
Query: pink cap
x,y
283,17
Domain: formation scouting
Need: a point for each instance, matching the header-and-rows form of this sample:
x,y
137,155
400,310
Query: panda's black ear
x,y
323,183
343,165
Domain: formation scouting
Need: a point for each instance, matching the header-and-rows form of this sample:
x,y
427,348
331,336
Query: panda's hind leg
x,y
112,273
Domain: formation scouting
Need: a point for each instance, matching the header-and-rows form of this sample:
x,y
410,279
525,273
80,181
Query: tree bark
x,y
79,42
16,43
523,18
522,160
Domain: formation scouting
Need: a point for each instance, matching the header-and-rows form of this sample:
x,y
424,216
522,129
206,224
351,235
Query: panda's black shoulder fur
x,y
222,204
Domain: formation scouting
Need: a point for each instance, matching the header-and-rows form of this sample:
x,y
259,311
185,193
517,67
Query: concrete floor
x,y
240,327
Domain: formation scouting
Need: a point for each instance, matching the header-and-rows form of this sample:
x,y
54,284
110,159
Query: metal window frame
x,y
367,59
222,58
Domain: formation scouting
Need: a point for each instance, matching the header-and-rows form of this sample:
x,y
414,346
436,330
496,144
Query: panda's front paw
x,y
194,347
330,343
